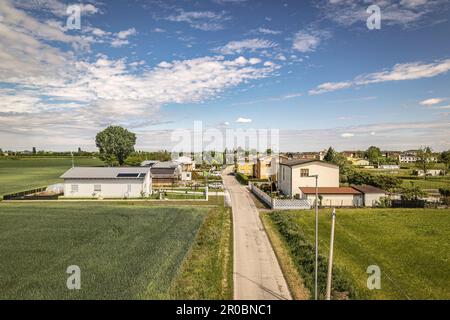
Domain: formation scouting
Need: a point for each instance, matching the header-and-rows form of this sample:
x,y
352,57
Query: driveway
x,y
257,274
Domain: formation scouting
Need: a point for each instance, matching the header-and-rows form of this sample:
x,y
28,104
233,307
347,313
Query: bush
x,y
445,193
242,178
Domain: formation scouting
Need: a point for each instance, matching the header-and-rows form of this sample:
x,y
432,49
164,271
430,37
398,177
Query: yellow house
x,y
359,162
266,167
245,168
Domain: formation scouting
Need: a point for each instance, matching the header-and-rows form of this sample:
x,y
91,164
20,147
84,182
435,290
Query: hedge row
x,y
242,178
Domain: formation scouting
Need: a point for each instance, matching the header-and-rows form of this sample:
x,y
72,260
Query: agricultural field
x,y
411,247
124,250
28,173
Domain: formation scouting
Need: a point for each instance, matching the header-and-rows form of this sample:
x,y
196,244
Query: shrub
x,y
242,178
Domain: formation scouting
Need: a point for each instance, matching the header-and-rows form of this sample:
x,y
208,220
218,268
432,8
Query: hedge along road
x,y
257,274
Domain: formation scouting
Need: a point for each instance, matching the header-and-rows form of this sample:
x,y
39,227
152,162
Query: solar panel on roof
x,y
128,175
142,175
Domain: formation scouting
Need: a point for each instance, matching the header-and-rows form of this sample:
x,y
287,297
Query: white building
x,y
297,173
407,158
90,182
371,195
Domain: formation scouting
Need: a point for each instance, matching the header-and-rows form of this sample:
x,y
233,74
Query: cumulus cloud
x,y
400,72
252,45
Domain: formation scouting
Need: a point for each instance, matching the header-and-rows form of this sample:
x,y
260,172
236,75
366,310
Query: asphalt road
x,y
257,274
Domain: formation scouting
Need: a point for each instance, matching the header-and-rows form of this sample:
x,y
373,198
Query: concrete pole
x,y
317,237
330,258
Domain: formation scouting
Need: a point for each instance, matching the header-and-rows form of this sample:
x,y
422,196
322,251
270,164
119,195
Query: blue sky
x,y
313,70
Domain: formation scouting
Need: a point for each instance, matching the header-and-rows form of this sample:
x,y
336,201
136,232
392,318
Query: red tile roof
x,y
325,190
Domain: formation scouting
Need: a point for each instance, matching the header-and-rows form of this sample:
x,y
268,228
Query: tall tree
x,y
424,156
115,144
329,156
373,154
444,157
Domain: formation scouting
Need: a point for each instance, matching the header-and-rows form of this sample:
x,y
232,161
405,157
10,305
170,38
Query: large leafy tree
x,y
424,156
115,144
373,154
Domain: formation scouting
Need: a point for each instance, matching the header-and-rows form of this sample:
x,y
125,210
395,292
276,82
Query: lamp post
x,y
316,176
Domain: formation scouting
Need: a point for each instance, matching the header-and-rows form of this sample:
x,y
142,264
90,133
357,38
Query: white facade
x,y
292,177
337,200
107,183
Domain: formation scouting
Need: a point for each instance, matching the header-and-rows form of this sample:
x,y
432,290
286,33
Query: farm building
x,y
107,182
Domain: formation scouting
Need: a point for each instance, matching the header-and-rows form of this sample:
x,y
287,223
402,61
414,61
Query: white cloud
x,y
243,120
347,135
126,33
402,71
432,101
159,30
396,12
308,41
268,31
202,20
237,47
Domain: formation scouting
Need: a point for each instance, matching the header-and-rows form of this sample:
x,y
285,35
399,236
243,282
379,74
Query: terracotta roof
x,y
326,190
368,189
296,162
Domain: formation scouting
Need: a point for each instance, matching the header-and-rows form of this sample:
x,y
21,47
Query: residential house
x,y
293,174
407,157
245,167
359,162
430,173
187,164
166,173
88,182
266,167
371,195
389,167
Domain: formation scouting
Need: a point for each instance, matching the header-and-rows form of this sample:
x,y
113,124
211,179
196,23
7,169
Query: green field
x,y
411,247
27,173
125,251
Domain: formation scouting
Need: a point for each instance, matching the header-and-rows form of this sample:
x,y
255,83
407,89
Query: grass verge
x,y
207,272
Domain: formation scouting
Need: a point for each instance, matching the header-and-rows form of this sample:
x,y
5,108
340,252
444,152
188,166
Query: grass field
x,y
124,251
411,247
28,173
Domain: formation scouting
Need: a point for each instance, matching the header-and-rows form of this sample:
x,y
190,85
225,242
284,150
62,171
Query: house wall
x,y
245,168
371,199
110,188
284,180
328,177
337,200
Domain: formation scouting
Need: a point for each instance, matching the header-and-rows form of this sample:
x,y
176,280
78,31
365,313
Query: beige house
x,y
293,174
371,195
266,167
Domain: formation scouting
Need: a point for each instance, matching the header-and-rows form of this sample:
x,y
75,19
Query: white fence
x,y
279,204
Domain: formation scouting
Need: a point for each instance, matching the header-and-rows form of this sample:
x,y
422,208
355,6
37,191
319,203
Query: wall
x,y
110,188
370,199
338,200
284,180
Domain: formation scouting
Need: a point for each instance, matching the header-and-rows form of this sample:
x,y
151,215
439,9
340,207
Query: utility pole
x,y
73,164
330,258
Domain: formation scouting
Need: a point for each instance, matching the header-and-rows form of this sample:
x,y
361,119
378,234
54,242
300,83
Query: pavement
x,y
257,274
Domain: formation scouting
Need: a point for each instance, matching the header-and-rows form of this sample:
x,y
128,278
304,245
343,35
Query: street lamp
x,y
316,176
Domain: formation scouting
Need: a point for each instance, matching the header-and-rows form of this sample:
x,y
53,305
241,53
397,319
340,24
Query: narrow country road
x,y
257,274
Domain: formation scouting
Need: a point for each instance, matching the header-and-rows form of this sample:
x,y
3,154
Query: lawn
x,y
411,247
124,251
27,173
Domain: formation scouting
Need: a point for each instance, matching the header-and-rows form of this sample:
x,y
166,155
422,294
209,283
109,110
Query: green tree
x,y
412,193
444,157
373,154
115,144
424,160
329,156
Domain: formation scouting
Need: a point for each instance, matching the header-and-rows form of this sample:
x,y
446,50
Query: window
x,y
97,188
74,188
304,173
